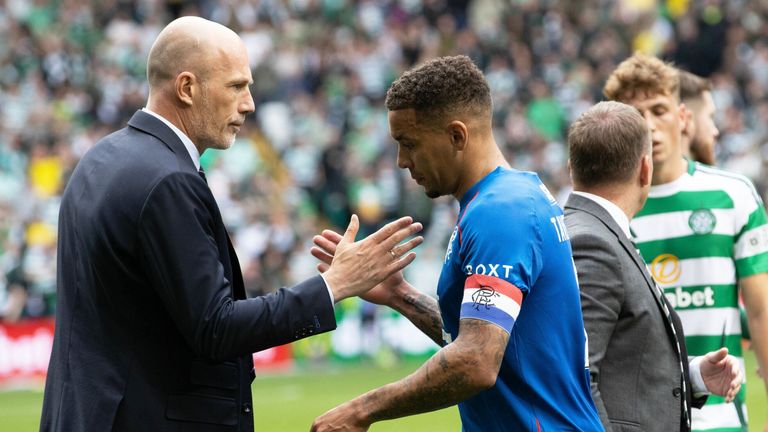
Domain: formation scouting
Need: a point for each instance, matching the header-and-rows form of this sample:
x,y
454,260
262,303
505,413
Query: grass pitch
x,y
287,403
282,403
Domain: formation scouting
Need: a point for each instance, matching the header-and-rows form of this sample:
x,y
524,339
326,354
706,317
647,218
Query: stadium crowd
x,y
318,147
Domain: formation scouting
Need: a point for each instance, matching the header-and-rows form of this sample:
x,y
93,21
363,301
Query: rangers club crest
x,y
483,298
702,221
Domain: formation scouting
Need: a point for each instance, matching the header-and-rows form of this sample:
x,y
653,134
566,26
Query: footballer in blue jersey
x,y
508,318
509,263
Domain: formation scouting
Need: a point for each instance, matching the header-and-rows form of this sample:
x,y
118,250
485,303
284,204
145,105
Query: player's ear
x,y
459,134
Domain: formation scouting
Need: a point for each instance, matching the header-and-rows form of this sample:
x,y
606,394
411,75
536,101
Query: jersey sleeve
x,y
751,249
498,251
751,242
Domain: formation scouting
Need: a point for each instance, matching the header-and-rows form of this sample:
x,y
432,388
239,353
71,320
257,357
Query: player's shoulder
x,y
510,186
494,194
714,178
724,177
509,197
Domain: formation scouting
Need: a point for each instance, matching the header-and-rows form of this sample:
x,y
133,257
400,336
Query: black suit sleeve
x,y
182,257
602,294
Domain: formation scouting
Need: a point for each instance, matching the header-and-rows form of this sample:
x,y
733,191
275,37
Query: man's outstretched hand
x,y
352,268
722,374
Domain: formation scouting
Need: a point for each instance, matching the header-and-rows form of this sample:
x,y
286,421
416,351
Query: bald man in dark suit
x,y
153,328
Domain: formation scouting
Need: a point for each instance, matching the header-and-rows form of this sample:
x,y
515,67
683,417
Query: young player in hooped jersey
x,y
509,318
702,232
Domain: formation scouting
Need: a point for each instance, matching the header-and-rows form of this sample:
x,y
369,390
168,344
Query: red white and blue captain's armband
x,y
491,299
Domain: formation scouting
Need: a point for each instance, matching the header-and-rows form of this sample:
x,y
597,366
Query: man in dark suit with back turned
x,y
635,339
153,330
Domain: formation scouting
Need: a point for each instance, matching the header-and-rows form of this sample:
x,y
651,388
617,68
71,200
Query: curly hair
x,y
606,143
642,74
442,86
692,86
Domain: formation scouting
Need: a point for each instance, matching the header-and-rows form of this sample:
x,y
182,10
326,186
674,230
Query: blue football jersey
x,y
509,262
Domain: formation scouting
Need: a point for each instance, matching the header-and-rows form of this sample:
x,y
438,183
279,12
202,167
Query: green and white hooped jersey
x,y
699,234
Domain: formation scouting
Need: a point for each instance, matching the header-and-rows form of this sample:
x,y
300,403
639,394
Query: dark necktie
x,y
665,308
201,172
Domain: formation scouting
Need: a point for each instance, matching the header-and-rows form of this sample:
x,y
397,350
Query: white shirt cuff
x,y
698,388
328,287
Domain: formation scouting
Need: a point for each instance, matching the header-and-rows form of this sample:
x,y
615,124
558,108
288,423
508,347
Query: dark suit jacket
x,y
634,363
153,331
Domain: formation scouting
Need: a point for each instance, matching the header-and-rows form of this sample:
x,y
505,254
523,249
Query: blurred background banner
x,y
25,348
25,345
364,332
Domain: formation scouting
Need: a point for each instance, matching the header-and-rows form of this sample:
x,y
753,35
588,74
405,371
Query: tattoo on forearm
x,y
443,362
444,380
425,314
443,389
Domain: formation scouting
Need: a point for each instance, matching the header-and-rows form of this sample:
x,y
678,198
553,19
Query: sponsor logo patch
x,y
665,268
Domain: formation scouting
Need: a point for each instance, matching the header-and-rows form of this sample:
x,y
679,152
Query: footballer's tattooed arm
x,y
458,371
424,312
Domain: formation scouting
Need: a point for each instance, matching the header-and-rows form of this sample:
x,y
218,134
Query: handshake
x,y
353,268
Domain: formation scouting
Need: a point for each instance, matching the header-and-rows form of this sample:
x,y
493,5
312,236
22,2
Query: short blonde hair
x,y
642,75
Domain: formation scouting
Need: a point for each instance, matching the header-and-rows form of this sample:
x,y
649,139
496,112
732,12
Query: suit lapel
x,y
580,203
149,124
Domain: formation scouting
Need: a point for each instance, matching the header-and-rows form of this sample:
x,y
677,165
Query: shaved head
x,y
199,77
188,44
